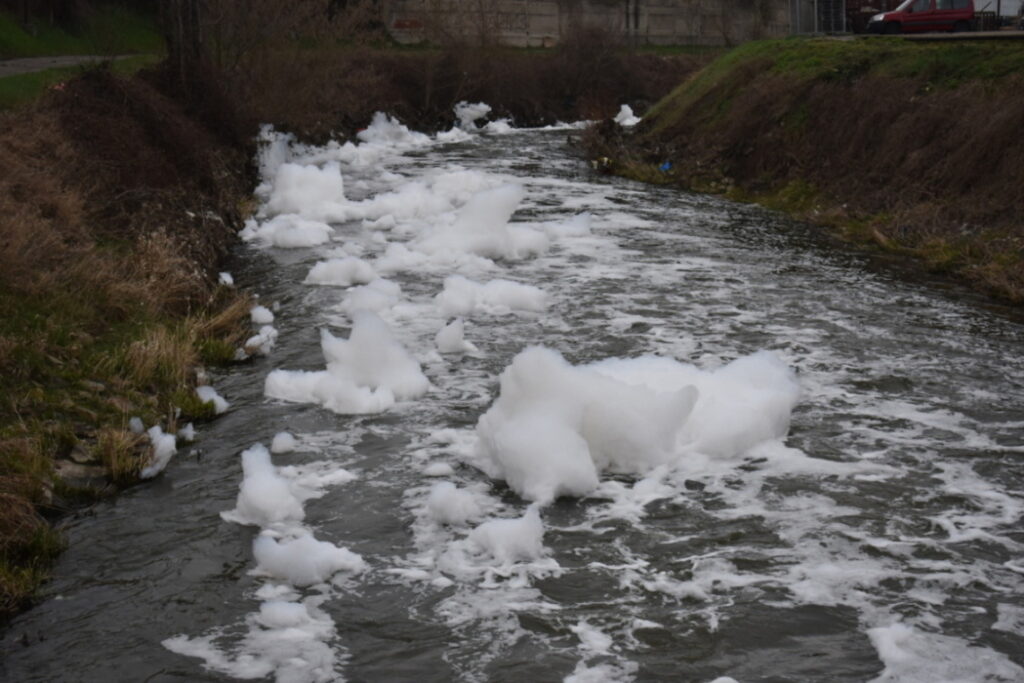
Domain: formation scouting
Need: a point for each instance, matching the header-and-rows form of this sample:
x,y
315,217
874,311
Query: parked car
x,y
925,15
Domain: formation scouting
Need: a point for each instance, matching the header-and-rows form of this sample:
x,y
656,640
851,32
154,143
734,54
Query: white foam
x,y
265,498
911,655
287,231
283,443
625,117
164,446
311,192
208,394
379,295
302,560
286,640
468,114
365,373
343,272
451,338
462,297
261,315
261,343
448,504
511,540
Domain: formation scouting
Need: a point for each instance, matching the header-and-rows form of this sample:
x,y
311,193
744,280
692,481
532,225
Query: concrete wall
x,y
543,23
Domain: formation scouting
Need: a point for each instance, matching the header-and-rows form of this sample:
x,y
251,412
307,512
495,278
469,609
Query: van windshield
x,y
904,6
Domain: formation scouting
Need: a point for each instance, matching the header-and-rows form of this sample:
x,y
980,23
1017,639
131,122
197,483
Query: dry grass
x,y
115,207
118,450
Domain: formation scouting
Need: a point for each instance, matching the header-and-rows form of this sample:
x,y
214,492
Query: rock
x,y
80,476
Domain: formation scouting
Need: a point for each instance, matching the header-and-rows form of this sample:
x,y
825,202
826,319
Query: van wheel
x,y
893,27
961,27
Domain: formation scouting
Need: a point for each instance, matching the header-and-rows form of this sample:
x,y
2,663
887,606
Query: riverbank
x,y
117,207
913,147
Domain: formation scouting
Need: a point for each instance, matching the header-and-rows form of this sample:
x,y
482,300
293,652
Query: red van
x,y
925,15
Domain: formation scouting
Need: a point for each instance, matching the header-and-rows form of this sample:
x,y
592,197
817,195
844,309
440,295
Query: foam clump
x,y
520,539
303,561
225,279
261,315
287,232
468,114
387,131
378,295
283,443
451,338
482,228
187,433
264,496
462,296
136,426
365,373
625,117
312,192
448,504
288,640
261,343
342,272
164,448
555,427
208,394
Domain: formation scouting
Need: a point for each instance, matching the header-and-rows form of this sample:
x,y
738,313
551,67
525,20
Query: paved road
x,y
14,67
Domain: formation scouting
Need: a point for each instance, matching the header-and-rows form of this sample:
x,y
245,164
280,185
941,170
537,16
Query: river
x,y
880,538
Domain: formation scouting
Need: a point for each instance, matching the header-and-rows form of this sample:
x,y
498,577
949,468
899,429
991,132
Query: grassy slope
x,y
916,146
23,88
115,206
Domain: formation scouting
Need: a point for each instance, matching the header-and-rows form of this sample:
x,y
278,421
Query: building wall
x,y
543,23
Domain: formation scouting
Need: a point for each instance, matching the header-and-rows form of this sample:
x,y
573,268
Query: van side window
x,y
943,4
960,4
921,5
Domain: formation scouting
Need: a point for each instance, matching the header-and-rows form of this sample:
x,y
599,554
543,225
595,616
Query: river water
x,y
880,539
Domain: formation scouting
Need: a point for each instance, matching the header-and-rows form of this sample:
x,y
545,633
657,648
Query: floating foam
x,y
208,394
312,192
187,433
378,295
261,315
468,114
286,640
365,373
451,338
625,117
555,427
265,497
448,504
261,343
287,231
302,561
461,297
225,279
343,272
914,656
164,448
283,443
482,228
511,540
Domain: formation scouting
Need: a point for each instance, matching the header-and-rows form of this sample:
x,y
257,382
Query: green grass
x,y
939,65
106,31
17,90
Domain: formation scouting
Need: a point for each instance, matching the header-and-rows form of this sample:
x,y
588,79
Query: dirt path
x,y
27,65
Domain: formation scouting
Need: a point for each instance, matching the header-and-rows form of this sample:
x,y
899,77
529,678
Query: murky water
x,y
885,542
